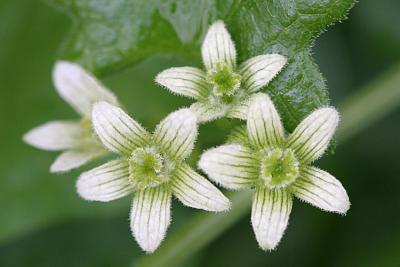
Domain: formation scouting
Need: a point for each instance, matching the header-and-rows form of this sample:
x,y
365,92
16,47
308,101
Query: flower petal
x,y
79,88
55,135
218,47
258,71
105,183
311,137
73,159
270,216
233,166
187,81
206,112
116,130
263,123
150,217
238,136
241,109
195,191
177,133
322,190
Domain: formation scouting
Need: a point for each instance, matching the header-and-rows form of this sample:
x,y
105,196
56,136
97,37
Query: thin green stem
x,y
361,110
370,104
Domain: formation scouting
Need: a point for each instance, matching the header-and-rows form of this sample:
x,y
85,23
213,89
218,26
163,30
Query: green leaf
x,y
109,35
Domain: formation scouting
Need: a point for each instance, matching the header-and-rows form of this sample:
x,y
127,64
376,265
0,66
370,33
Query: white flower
x,y
223,89
278,167
153,167
81,90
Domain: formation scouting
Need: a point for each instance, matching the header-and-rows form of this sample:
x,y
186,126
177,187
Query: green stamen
x,y
225,82
146,168
279,168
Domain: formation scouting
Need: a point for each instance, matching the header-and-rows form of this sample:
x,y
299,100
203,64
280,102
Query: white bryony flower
x,y
223,89
76,138
151,166
278,167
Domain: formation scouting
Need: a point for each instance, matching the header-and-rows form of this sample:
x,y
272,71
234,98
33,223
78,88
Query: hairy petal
x,y
218,47
311,138
322,190
55,135
258,71
264,125
206,112
177,133
233,166
150,217
186,81
195,191
105,183
73,159
79,88
270,216
116,130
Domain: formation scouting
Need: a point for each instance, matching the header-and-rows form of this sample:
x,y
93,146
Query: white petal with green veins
x,y
270,216
218,47
105,183
177,133
264,125
233,166
116,130
312,136
206,112
79,88
322,190
55,135
150,217
187,81
258,71
195,191
72,159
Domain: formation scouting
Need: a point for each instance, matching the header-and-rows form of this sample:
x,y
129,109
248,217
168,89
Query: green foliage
x,y
109,35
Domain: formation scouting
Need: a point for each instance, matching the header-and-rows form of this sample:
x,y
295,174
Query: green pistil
x,y
279,168
145,168
225,82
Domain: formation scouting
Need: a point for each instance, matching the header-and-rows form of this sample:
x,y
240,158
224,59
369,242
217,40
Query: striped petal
x,y
322,190
116,130
150,217
311,138
270,216
79,88
73,159
195,191
186,81
55,135
105,183
241,109
177,133
218,47
206,112
238,136
258,71
264,125
233,166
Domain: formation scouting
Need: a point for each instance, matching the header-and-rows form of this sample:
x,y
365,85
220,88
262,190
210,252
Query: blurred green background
x,y
44,223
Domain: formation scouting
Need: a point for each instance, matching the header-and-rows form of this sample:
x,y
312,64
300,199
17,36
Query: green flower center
x,y
225,82
279,168
146,168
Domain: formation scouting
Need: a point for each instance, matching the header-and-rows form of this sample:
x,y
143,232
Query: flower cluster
x,y
260,156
